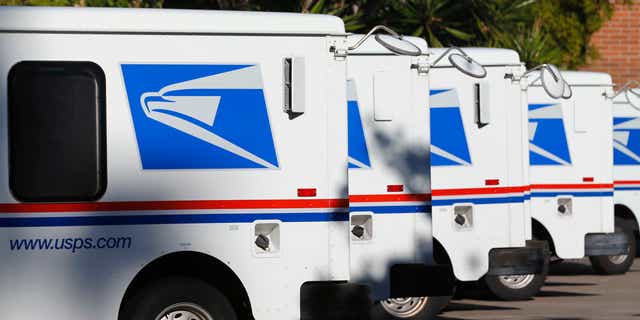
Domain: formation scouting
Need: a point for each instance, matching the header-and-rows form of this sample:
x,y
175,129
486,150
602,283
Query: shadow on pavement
x,y
441,317
571,269
551,293
556,318
578,268
476,292
567,284
459,306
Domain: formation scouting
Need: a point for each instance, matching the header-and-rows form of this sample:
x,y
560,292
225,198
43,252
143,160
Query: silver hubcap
x,y
618,259
516,281
404,307
184,311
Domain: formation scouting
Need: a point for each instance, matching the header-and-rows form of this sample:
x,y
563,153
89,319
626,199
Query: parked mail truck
x,y
626,161
571,176
167,163
479,166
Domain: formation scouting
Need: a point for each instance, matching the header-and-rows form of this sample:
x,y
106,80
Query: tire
x,y
425,310
516,287
178,298
608,265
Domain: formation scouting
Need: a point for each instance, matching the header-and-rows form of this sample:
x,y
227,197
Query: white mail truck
x,y
571,176
626,160
389,183
479,165
390,221
164,164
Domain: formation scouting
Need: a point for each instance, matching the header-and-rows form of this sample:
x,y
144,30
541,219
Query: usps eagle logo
x,y
358,151
449,145
547,135
200,116
626,141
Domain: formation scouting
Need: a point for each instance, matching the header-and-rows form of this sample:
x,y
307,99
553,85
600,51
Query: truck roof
x,y
484,56
588,78
371,46
121,20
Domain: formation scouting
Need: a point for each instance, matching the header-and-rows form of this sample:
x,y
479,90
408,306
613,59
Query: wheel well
x,y
541,233
623,212
199,266
440,255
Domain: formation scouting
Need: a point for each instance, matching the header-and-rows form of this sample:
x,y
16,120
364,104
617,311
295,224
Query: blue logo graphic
x,y
448,138
358,152
626,141
200,116
547,137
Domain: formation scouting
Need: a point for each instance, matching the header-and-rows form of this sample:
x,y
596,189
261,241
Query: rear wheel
x,y
178,298
415,308
516,287
616,264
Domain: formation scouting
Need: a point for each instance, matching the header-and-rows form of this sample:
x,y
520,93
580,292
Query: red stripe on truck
x,y
173,205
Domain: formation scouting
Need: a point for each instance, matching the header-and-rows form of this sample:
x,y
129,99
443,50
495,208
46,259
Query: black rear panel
x,y
57,134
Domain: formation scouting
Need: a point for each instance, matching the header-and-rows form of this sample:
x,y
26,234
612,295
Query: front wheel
x,y
619,264
516,287
415,308
178,298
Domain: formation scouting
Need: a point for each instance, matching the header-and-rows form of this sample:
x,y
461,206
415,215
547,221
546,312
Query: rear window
x,y
57,134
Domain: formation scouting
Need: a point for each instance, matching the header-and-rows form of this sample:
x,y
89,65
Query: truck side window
x,y
57,131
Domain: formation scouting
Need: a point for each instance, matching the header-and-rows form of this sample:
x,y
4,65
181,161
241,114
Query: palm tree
x,y
495,18
440,22
533,44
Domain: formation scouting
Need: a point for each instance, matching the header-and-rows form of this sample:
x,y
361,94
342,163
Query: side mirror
x,y
397,45
463,62
568,93
467,65
392,41
552,81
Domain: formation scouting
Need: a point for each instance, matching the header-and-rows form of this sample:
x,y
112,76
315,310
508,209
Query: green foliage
x,y
542,31
37,2
570,24
106,3
438,21
532,43
87,3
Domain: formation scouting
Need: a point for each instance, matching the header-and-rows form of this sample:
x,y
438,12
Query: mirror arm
x,y
524,75
625,87
538,67
535,80
444,54
374,29
551,70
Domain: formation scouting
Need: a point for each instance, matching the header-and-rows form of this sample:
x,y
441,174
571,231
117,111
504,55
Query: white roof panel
x,y
120,20
484,56
583,78
577,78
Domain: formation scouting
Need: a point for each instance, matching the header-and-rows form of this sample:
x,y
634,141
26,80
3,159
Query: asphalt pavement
x,y
572,292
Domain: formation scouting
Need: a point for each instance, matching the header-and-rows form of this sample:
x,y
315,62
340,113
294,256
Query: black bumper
x,y
419,280
348,300
520,260
606,244
334,300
